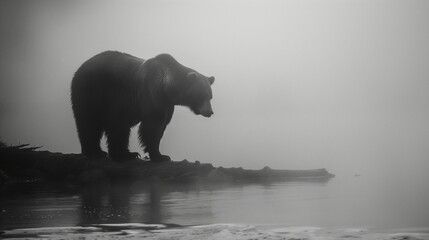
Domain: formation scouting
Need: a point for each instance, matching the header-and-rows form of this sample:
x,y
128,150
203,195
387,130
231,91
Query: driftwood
x,y
24,164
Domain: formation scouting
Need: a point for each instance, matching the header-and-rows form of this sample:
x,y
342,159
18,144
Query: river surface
x,y
343,202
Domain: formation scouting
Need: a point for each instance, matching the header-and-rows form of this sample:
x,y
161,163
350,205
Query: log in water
x,y
26,164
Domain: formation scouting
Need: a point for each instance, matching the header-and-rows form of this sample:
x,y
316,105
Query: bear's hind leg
x,y
89,136
117,141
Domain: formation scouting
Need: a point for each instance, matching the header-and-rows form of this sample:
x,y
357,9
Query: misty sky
x,y
337,84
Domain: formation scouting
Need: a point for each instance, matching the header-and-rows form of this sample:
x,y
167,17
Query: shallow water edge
x,y
212,231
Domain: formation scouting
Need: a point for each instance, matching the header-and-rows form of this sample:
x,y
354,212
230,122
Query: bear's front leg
x,y
117,141
150,134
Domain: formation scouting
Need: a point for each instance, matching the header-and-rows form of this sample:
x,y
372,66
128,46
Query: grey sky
x,y
299,84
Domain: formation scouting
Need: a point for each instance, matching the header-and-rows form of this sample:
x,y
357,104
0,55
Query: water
x,y
346,202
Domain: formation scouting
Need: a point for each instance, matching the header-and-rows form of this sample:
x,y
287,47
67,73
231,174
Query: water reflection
x,y
103,200
107,201
104,203
186,204
357,202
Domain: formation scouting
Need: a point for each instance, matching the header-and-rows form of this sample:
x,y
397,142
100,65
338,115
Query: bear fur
x,y
113,91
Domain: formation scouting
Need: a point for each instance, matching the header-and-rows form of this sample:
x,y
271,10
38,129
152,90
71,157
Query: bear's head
x,y
185,86
198,94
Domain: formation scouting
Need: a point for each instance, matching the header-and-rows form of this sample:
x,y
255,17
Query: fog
x,y
342,85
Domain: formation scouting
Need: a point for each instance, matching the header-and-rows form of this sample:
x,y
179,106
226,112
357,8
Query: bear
x,y
114,91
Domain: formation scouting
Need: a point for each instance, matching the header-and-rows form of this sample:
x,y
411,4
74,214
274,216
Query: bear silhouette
x,y
113,91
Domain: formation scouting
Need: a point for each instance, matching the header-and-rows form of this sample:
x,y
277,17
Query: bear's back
x,y
104,80
110,64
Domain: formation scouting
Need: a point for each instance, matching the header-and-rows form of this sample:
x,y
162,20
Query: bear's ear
x,y
192,75
211,80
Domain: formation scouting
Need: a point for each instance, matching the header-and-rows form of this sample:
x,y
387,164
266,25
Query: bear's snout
x,y
205,109
207,113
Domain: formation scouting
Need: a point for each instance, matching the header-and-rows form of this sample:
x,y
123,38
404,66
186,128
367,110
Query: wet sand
x,y
213,231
